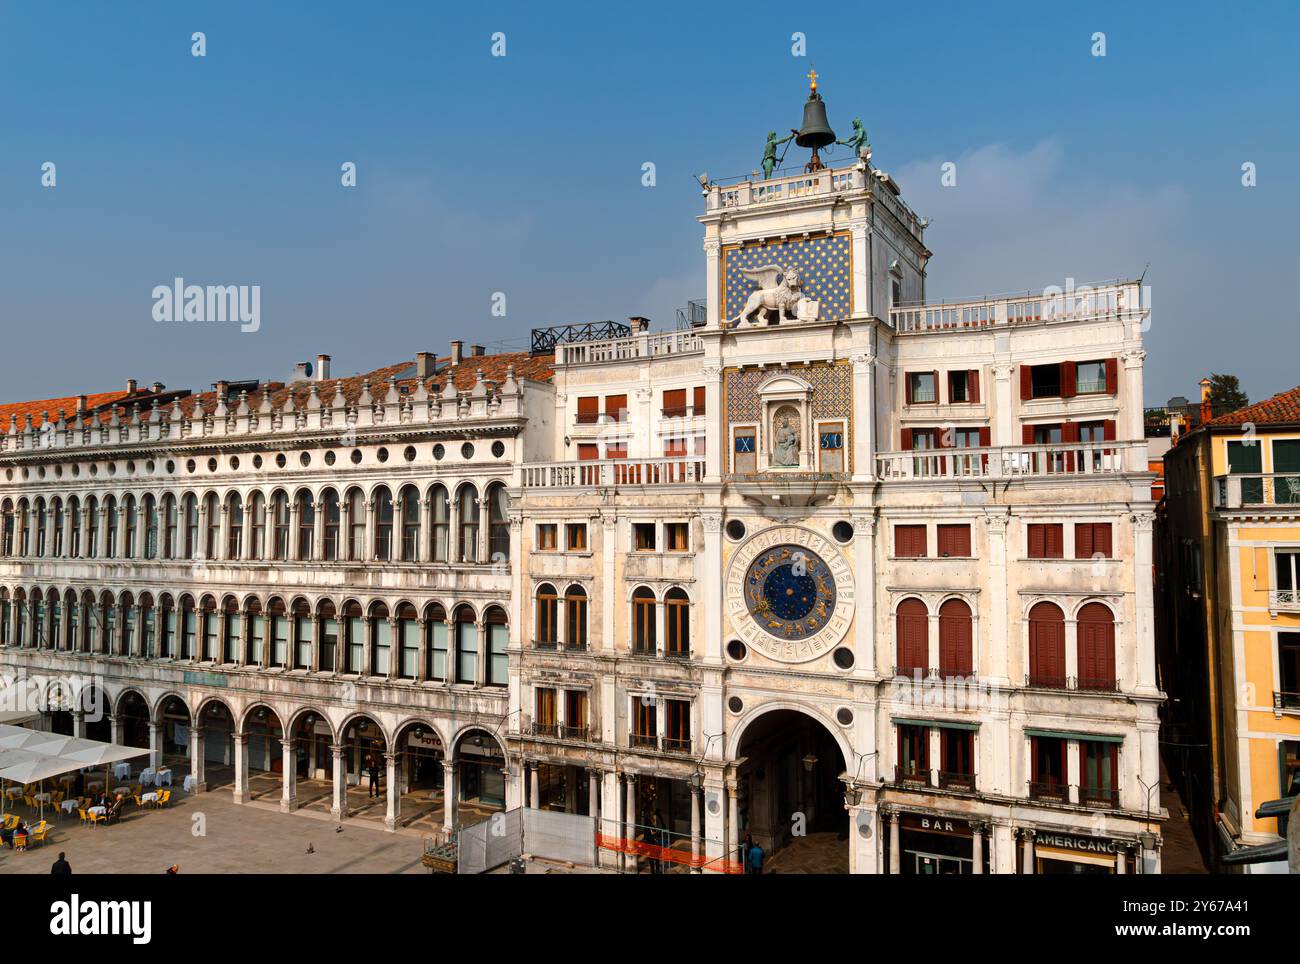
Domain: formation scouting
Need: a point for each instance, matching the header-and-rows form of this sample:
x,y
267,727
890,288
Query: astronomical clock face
x,y
790,594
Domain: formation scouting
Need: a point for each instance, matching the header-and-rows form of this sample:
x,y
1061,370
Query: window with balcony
x,y
575,618
677,726
588,452
1286,468
1047,646
545,721
588,410
575,714
1092,540
1046,540
1048,768
1288,670
575,536
957,747
922,388
674,448
547,618
909,541
616,408
913,638
1246,458
645,722
1090,378
913,754
1044,380
699,395
1286,584
546,537
1098,773
954,541
675,403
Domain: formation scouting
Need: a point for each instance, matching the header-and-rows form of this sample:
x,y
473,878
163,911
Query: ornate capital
x,y
711,248
712,523
1144,521
1003,372
998,522
864,525
1133,358
712,371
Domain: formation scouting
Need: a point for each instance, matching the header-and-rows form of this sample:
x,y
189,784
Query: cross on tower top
x,y
812,76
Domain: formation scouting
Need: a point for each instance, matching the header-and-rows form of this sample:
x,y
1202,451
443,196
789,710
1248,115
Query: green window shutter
x,y
1286,456
1243,458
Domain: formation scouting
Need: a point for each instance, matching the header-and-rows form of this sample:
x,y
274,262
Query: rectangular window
x,y
1046,540
279,640
958,387
498,667
575,714
643,536
699,401
356,643
913,753
1090,378
674,403
1288,669
1045,381
383,647
437,649
616,407
303,626
256,637
544,711
677,720
921,388
909,541
1092,539
1245,458
466,652
1047,435
645,721
1098,773
1286,469
957,748
409,631
954,540
546,537
677,537
674,448
329,644
588,452
1048,768
588,410
575,536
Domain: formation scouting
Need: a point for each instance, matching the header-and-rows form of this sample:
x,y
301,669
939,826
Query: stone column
x,y
155,743
713,297
1027,836
977,830
696,841
293,552
79,724
368,550
114,730
534,792
318,532
1121,860
424,551
449,792
289,768
630,862
593,796
241,794
223,539
733,822
895,844
394,793
196,758
338,804
1003,842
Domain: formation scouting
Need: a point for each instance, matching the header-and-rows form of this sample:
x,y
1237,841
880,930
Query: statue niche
x,y
785,437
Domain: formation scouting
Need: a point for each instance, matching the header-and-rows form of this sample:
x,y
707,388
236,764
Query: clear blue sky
x,y
522,174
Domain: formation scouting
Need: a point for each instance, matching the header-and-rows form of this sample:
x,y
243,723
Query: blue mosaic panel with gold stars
x,y
823,262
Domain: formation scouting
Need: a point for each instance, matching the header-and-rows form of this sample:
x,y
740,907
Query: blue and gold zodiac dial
x,y
790,592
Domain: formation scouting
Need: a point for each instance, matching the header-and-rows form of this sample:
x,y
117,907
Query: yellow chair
x,y
164,797
138,802
40,833
86,816
20,842
11,821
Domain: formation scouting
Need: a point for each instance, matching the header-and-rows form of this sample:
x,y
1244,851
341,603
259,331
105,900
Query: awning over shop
x,y
1073,735
942,724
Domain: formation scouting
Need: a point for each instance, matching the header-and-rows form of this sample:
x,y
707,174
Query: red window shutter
x,y
986,439
1027,435
909,541
1101,539
588,408
906,440
938,389
973,385
616,406
1026,382
674,398
699,400
1033,754
913,635
1069,379
587,453
1108,430
955,639
1055,535
1083,542
1037,541
1070,432
907,387
1112,376
954,540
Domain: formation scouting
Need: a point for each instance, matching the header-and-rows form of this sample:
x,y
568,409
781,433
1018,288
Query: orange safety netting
x,y
639,848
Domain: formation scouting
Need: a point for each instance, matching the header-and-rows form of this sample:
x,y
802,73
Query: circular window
x,y
9,475
467,451
735,530
234,463
439,451
737,650
382,454
149,467
498,448
212,465
257,461
843,657
94,469
171,467
41,472
76,471
842,531
304,459
130,467
58,471
281,461
112,468
329,458
844,716
189,465
735,704
356,456
409,453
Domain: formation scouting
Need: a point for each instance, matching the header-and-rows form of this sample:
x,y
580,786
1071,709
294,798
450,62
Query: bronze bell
x,y
816,131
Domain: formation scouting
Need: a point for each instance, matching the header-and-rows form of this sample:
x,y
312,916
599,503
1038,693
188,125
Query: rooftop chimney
x,y
301,370
322,368
130,386
1207,412
157,388
81,404
223,389
425,364
639,324
457,352
476,351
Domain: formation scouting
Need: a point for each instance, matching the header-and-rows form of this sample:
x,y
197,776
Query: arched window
x,y
188,627
356,525
381,628
645,629
354,624
73,608
498,638
1047,645
435,638
209,637
40,631
190,510
74,528
956,640
24,528
677,623
440,506
166,627
498,524
1096,627
150,527
7,530
92,527
575,618
467,510
56,620
255,637
278,628
280,520
212,526
233,640
131,524
235,522
58,528
410,523
333,519
256,526
303,634
126,603
408,640
20,612
39,510
913,633
148,628
6,613
110,527
547,628
329,629
466,646
383,502
169,526
306,524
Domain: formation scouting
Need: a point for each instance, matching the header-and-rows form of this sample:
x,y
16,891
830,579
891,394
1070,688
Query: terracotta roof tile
x,y
37,409
1281,408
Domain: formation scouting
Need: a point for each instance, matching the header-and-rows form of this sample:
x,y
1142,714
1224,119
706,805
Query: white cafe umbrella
x,y
25,766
